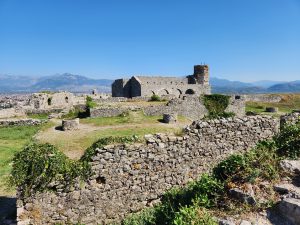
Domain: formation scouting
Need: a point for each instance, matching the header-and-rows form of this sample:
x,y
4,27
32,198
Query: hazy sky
x,y
240,39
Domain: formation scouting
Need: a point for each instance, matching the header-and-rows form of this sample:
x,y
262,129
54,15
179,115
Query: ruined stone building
x,y
144,86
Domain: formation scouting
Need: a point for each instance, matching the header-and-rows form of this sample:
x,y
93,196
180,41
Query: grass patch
x,y
133,123
12,140
127,118
288,103
74,144
41,116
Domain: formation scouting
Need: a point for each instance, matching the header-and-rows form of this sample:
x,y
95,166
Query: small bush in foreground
x,y
193,216
37,165
261,161
288,141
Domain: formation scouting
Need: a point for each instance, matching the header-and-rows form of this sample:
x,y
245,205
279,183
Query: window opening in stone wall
x,y
190,92
49,101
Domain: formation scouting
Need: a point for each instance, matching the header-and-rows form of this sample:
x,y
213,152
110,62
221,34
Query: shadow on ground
x,y
8,210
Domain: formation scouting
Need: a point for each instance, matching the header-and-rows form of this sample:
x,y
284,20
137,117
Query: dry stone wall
x,y
193,108
291,118
128,178
21,122
262,98
190,107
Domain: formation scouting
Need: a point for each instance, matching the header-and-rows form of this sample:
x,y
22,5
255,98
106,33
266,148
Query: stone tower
x,y
201,74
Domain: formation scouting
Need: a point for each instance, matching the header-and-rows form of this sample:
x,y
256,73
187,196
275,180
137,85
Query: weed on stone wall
x,y
90,102
216,105
155,98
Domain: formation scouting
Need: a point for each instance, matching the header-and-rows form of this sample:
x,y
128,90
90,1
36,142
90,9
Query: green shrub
x,y
37,165
145,217
90,103
216,105
230,167
207,191
155,98
193,216
288,141
261,161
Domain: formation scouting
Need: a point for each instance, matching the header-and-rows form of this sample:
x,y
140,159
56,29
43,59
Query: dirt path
x,y
73,143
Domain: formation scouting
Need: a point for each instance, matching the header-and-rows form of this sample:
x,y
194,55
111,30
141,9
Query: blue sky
x,y
243,40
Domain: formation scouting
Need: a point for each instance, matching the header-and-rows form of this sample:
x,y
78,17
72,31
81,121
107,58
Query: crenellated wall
x,y
128,178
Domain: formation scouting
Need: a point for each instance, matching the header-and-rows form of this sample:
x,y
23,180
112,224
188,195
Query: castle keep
x,y
144,86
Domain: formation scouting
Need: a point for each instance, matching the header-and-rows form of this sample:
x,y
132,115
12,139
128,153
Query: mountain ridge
x,y
80,83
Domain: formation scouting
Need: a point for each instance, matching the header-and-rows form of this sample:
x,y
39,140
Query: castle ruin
x,y
143,86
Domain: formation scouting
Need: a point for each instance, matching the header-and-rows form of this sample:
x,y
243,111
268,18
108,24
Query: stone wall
x,y
21,122
11,112
128,178
262,98
193,108
291,118
107,112
190,107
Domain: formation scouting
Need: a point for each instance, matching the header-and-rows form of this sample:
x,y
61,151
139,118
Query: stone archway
x,y
152,93
178,93
190,92
164,92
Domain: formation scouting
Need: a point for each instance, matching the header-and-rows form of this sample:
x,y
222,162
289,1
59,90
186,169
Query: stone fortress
x,y
143,86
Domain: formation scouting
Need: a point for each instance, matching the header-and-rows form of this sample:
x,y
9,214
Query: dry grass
x,y
288,103
74,143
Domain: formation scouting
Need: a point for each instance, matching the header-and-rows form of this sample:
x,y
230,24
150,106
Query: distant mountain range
x,y
264,86
81,84
59,82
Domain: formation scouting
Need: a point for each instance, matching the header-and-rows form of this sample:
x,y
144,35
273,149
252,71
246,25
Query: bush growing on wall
x,y
90,103
42,166
37,165
216,105
288,141
155,98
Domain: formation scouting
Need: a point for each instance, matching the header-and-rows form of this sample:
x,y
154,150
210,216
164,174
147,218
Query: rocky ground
x,y
285,212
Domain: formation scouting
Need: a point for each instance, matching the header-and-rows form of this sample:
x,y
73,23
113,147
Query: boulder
x,y
245,222
290,208
290,166
242,196
169,118
226,222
